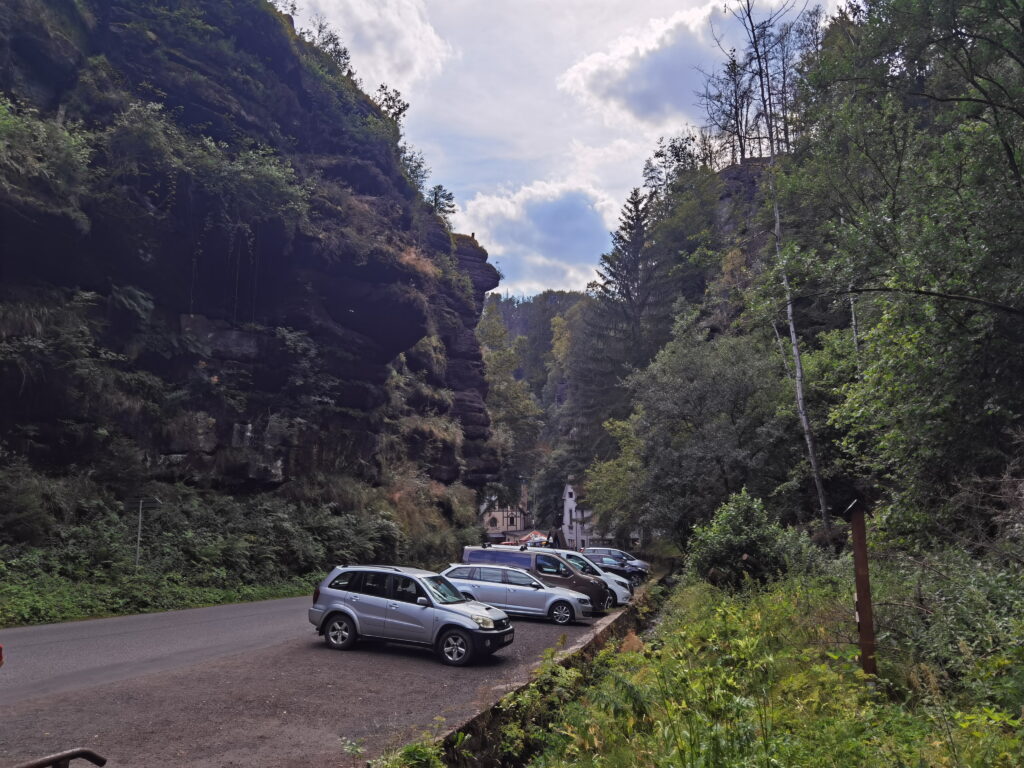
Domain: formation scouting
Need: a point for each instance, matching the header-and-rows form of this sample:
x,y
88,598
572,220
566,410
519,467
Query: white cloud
x,y
649,73
542,235
391,41
537,114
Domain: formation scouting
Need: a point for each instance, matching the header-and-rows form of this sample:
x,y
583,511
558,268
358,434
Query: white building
x,y
578,527
576,522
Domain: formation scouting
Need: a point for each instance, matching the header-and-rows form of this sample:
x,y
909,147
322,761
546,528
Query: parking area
x,y
290,702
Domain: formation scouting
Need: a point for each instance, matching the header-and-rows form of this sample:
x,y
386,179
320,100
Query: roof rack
x,y
363,565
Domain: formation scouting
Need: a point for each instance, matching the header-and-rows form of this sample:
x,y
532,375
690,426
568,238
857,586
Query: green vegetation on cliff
x,y
222,293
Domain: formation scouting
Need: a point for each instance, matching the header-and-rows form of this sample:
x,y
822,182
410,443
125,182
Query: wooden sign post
x,y
862,599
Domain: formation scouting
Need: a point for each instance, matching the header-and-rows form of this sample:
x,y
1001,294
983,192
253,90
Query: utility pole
x,y
138,536
862,599
144,502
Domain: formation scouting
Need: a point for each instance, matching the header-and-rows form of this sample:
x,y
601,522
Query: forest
x,y
812,304
240,343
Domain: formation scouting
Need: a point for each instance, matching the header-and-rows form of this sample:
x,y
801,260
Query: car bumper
x,y
316,616
489,641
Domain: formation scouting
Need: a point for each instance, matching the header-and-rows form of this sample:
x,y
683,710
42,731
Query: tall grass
x,y
766,678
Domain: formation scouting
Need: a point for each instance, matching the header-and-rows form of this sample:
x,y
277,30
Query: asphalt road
x,y
237,685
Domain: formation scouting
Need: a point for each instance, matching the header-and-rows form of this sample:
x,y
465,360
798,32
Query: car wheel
x,y
561,612
636,580
339,632
455,647
609,601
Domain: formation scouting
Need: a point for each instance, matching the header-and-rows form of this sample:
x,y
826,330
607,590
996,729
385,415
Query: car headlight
x,y
584,600
485,622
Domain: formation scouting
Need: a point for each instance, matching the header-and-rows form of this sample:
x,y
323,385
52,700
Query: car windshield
x,y
442,590
583,564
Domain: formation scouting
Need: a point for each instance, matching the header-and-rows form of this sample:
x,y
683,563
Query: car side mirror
x,y
422,601
535,585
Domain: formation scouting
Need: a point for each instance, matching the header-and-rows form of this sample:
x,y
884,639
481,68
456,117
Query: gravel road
x,y
236,685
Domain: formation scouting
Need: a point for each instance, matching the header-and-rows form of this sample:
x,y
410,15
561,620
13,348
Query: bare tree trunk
x,y
853,327
755,37
782,351
801,407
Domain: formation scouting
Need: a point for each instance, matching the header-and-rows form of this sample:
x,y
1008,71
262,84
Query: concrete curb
x,y
471,744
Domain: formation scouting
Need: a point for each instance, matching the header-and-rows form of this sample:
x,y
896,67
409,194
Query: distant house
x,y
508,523
577,527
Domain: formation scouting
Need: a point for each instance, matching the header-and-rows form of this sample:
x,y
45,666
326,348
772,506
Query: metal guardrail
x,y
63,759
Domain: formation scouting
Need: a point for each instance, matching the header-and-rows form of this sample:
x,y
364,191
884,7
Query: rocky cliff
x,y
214,269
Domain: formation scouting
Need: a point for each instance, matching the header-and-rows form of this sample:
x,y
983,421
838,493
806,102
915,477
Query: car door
x,y
525,593
370,601
490,587
554,571
406,619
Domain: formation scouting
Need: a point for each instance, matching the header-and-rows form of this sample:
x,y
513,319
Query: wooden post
x,y
862,600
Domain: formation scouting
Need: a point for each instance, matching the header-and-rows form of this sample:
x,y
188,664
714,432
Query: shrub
x,y
741,542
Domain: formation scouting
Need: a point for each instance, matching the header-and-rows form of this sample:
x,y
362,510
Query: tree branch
x,y
936,295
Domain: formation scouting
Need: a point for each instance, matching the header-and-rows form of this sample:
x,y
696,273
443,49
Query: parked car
x,y
620,588
624,568
517,591
545,565
406,605
621,554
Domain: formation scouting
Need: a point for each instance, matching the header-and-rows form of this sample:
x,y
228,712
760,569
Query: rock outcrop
x,y
264,291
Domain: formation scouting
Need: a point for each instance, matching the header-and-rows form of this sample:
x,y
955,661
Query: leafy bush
x,y
43,163
950,625
742,543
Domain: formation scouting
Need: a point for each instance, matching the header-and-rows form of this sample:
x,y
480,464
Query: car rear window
x,y
342,581
492,575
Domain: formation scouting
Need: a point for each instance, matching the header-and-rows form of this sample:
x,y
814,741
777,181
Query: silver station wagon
x,y
517,591
406,605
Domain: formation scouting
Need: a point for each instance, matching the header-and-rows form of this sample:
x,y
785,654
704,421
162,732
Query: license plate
x,y
508,638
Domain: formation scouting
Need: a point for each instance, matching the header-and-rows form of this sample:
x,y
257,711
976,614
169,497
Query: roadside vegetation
x,y
762,667
768,676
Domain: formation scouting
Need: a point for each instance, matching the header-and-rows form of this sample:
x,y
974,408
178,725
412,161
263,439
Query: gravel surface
x,y
260,702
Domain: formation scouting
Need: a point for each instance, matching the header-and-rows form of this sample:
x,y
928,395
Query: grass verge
x,y
45,599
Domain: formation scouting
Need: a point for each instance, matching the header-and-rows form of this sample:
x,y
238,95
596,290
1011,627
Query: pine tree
x,y
441,202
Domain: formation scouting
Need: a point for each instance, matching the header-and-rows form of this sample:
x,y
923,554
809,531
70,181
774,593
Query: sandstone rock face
x,y
275,341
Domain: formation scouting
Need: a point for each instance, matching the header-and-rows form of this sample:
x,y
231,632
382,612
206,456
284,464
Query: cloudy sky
x,y
537,114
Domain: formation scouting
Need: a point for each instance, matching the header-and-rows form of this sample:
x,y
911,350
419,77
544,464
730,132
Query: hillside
x,y
223,296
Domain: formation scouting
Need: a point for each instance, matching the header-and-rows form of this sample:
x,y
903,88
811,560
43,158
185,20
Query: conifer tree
x,y
441,202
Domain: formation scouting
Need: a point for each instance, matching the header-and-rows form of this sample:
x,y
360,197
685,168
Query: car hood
x,y
472,608
639,564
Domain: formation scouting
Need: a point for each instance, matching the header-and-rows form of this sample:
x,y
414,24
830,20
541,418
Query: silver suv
x,y
518,591
406,605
